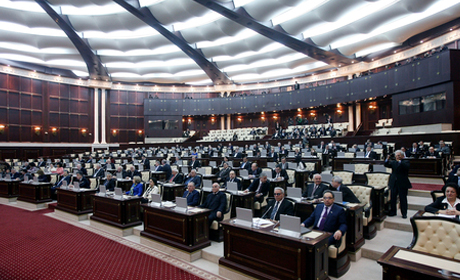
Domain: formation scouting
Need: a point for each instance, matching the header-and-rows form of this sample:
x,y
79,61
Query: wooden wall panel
x,y
37,102
3,81
37,86
26,117
13,82
13,116
53,90
25,100
25,84
3,98
13,99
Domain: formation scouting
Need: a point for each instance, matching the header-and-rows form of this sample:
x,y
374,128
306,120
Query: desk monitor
x,y
243,217
102,191
64,183
232,187
349,167
360,154
263,153
212,163
184,169
215,154
207,185
379,168
125,161
244,173
230,163
338,196
294,193
340,154
201,170
118,193
308,154
352,150
35,179
271,165
119,175
156,199
326,177
76,186
290,226
180,162
181,204
26,178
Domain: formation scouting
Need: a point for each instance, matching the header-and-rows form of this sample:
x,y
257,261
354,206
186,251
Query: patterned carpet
x,y
426,187
33,246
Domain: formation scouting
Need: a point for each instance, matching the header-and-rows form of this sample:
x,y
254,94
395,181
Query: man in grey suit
x,y
316,189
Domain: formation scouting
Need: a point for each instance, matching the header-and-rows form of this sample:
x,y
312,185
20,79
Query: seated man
x,y
347,194
370,154
328,217
110,182
280,174
260,186
192,177
83,181
145,162
123,174
278,206
82,169
192,195
132,173
316,189
98,171
284,164
224,173
255,171
194,163
65,177
166,168
432,153
176,177
245,164
216,202
232,178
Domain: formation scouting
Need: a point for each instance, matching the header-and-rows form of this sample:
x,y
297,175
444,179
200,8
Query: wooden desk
x,y
159,175
244,200
355,238
124,184
396,265
118,213
267,255
171,191
185,231
301,176
75,202
9,188
35,192
378,204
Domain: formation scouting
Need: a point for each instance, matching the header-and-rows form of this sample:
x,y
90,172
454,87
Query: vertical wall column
x,y
358,114
229,121
222,123
351,125
103,115
96,116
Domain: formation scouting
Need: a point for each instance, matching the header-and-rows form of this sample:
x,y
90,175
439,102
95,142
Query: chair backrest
x,y
228,208
291,174
363,193
146,176
361,168
436,194
207,169
267,170
347,176
90,171
93,183
377,180
436,235
310,166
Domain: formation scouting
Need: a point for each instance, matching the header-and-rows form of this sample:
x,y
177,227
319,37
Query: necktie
x,y
172,179
314,190
367,155
260,185
272,216
323,220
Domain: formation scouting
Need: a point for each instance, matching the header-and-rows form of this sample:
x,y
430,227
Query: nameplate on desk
x,y
118,194
168,184
102,191
181,205
207,189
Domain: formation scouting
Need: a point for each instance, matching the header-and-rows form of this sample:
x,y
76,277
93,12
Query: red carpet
x,y
426,187
33,246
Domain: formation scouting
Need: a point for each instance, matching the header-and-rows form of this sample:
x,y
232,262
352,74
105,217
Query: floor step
x,y
418,202
397,222
373,249
214,252
419,193
137,230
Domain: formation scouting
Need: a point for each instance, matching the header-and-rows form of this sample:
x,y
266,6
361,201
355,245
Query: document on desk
x,y
312,235
195,210
446,216
168,204
351,205
262,223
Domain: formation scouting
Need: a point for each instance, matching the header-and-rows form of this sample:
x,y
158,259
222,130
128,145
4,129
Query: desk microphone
x,y
266,212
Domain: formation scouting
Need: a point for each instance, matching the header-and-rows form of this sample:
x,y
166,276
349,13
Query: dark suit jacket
x,y
247,166
400,174
195,164
439,205
83,171
274,156
110,184
318,192
193,199
216,202
283,174
224,173
372,155
196,180
132,174
146,164
84,183
347,194
255,184
99,173
237,181
435,154
67,179
284,166
335,220
178,179
285,208
238,155
167,168
256,172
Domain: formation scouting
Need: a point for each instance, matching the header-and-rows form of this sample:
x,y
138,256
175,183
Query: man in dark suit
x,y
280,174
146,163
260,186
237,154
370,154
255,171
192,177
166,168
194,163
41,162
274,155
245,164
65,177
399,182
224,173
284,164
232,178
316,189
98,171
415,150
14,174
278,206
82,169
83,181
216,202
110,182
432,153
347,194
192,195
132,172
406,153
176,177
328,217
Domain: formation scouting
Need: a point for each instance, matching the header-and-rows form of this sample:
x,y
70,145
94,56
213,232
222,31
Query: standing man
x,y
216,202
399,182
279,206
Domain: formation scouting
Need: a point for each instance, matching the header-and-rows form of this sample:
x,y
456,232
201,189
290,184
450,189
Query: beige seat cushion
x,y
378,180
361,168
364,195
347,177
334,251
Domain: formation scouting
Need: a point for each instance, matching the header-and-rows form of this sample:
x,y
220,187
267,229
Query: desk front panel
x,y
75,202
9,188
119,213
35,193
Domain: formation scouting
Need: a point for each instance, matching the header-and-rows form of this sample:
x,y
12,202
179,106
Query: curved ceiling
x,y
209,41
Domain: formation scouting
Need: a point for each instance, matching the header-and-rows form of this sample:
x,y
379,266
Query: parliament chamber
x,y
233,139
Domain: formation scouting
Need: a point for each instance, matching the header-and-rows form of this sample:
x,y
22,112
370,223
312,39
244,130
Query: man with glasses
x,y
278,206
328,217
